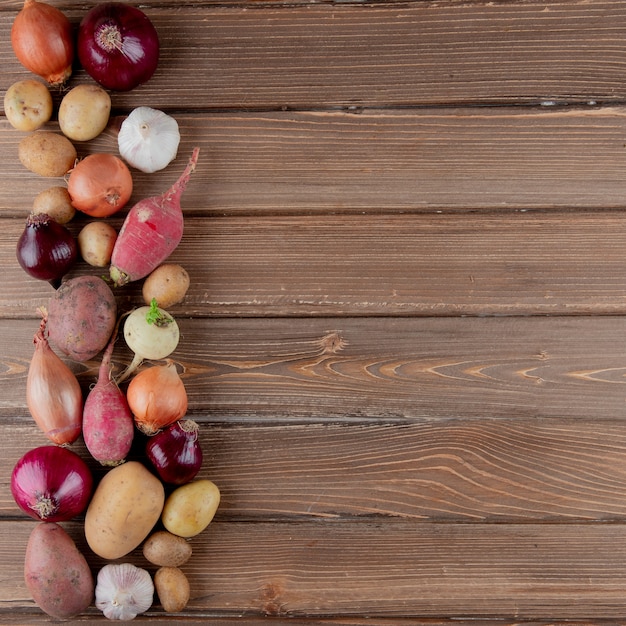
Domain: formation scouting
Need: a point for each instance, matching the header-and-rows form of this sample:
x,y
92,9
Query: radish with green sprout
x,y
151,231
151,333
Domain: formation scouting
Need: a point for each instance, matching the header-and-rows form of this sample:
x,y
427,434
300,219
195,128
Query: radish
x,y
108,425
151,231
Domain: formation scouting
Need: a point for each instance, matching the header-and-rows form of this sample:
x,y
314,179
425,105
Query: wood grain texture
x,y
496,159
396,370
395,569
529,470
438,53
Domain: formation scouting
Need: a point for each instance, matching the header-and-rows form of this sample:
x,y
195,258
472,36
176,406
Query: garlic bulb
x,y
123,591
148,139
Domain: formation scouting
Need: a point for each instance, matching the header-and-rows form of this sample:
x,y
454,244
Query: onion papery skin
x,y
100,185
118,46
53,394
157,398
43,41
46,250
51,484
175,452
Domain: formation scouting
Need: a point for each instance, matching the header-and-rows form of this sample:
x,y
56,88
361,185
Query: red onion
x,y
175,452
46,249
51,484
118,46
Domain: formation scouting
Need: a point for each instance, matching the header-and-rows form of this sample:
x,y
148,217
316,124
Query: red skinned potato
x,y
82,314
56,573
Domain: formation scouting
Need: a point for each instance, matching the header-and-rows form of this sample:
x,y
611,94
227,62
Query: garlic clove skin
x,y
123,591
148,139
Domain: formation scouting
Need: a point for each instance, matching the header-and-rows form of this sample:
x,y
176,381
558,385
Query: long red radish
x,y
151,231
108,424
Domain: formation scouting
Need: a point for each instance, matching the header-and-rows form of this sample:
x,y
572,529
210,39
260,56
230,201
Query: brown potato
x,y
123,510
168,284
172,587
55,202
47,153
84,112
28,104
165,549
95,243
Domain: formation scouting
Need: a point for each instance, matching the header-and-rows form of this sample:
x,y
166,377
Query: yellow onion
x,y
43,42
157,397
53,394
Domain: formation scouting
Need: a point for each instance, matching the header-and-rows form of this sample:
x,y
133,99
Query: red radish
x,y
151,231
108,425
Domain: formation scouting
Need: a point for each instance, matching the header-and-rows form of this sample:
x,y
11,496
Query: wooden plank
x,y
527,571
481,471
392,265
368,369
392,160
285,56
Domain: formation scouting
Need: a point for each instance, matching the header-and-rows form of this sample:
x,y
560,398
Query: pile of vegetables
x,y
155,500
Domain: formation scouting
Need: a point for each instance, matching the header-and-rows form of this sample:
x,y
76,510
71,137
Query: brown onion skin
x,y
43,41
100,185
175,452
51,484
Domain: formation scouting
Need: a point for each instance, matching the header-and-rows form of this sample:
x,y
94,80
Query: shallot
x,y
151,231
53,394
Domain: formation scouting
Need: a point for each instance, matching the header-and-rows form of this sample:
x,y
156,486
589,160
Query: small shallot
x,y
157,397
53,394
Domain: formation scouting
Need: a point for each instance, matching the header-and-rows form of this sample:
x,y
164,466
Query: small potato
x,y
168,284
123,510
95,242
27,104
84,112
165,549
190,508
55,202
172,587
47,153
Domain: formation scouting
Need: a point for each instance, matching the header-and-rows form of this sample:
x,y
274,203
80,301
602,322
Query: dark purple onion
x,y
51,484
118,46
46,249
175,452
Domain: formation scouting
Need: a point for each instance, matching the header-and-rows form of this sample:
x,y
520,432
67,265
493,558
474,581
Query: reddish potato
x,y
56,573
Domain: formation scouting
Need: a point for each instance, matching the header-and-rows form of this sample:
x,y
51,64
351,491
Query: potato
x,y
168,284
95,243
172,587
82,314
165,549
123,510
47,154
55,202
56,573
84,112
190,508
28,104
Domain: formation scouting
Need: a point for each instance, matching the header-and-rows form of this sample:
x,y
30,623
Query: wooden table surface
x,y
404,339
